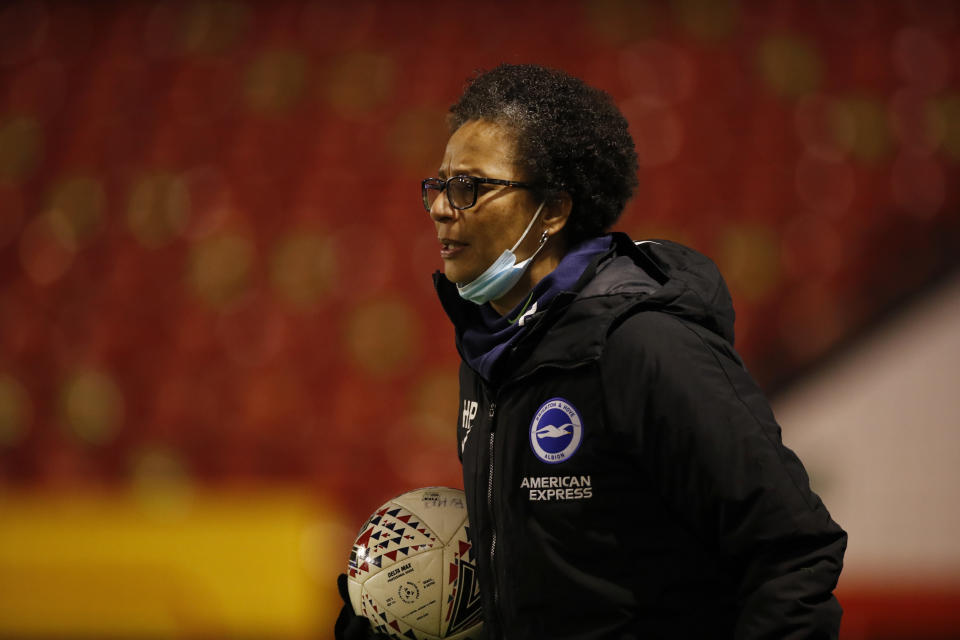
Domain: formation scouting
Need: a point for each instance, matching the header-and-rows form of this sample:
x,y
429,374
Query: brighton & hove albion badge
x,y
556,431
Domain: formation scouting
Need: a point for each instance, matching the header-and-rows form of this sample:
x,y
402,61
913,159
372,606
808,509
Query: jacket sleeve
x,y
708,441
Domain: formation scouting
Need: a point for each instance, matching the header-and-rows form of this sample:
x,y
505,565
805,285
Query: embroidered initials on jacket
x,y
466,420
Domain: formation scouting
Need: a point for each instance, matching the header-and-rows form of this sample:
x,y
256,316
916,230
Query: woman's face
x,y
471,239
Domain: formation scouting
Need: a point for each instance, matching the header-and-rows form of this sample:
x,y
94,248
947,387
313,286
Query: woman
x,y
625,477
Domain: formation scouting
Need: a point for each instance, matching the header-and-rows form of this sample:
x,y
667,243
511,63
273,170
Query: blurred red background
x,y
215,269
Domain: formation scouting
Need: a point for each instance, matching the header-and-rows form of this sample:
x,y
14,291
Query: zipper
x,y
493,521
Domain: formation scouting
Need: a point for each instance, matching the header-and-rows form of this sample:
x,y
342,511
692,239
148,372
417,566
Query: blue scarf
x,y
485,335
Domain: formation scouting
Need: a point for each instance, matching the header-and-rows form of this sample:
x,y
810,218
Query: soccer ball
x,y
412,571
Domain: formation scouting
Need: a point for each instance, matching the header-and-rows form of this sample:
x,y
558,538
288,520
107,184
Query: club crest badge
x,y
556,431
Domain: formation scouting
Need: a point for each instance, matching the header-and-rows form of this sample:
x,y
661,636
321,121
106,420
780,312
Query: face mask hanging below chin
x,y
504,273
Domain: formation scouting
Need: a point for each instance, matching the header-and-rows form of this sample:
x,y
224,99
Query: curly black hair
x,y
571,137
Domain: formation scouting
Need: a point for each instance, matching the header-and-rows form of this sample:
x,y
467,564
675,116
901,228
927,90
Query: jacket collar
x,y
655,275
485,339
574,329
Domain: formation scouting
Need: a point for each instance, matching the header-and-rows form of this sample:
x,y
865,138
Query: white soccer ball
x,y
412,571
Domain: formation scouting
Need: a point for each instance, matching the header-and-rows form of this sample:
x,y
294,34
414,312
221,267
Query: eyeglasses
x,y
461,190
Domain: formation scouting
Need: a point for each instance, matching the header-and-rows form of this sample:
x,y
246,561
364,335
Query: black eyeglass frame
x,y
438,184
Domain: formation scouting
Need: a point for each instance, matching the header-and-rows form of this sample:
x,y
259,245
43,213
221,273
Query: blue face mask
x,y
503,274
